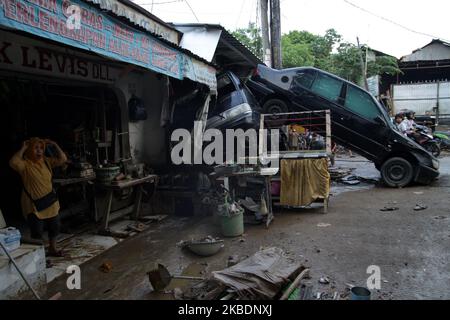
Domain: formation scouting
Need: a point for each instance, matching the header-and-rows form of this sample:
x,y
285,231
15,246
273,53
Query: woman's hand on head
x,y
25,144
50,142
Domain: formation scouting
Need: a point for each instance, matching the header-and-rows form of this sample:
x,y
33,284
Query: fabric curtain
x,y
304,181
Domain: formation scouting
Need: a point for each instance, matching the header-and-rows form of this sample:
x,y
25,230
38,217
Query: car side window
x,y
225,87
361,103
302,80
327,87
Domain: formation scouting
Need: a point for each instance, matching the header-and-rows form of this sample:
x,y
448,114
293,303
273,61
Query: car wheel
x,y
397,173
275,106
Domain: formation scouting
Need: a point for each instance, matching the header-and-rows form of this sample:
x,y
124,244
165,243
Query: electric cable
x,y
393,22
192,10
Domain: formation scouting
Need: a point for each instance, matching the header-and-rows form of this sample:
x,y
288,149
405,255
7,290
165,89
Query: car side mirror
x,y
380,121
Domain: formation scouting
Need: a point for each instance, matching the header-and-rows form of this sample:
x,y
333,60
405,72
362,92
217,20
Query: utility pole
x,y
275,32
363,65
267,51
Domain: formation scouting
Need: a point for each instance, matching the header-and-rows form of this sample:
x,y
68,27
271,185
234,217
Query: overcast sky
x,y
429,17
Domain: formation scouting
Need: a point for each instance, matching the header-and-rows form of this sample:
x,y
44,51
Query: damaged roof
x,y
229,52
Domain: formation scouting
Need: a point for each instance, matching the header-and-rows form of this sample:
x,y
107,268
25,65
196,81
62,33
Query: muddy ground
x,y
411,248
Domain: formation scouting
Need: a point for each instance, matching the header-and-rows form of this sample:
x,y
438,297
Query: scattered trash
x,y
138,227
418,193
324,225
440,218
160,277
420,208
340,173
324,280
350,180
305,292
232,261
178,294
106,267
389,209
294,285
108,290
150,219
262,276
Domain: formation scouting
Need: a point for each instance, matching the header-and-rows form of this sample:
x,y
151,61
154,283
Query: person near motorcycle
x,y
402,123
417,133
410,121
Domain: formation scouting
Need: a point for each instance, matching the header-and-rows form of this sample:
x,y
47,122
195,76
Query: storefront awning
x,y
81,25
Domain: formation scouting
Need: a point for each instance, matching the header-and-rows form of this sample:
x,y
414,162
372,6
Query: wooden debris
x,y
295,284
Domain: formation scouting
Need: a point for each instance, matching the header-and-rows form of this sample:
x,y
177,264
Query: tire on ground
x,y
397,172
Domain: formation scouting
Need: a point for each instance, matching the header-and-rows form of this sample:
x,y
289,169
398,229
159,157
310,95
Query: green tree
x,y
310,47
328,52
383,65
296,54
346,63
251,38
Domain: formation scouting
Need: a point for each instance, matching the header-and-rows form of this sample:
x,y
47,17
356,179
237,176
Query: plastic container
x,y
206,248
232,226
10,238
360,293
107,174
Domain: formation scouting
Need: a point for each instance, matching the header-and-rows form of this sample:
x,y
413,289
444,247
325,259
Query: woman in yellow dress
x,y
39,202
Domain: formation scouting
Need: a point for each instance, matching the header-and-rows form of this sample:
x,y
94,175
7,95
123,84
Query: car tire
x,y
397,173
275,106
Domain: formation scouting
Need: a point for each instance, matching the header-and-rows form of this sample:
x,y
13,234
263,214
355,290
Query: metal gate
x,y
424,98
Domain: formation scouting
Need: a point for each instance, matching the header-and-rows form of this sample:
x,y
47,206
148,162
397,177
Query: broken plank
x,y
295,284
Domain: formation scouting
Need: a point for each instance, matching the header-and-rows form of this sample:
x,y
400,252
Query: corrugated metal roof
x,y
229,39
417,56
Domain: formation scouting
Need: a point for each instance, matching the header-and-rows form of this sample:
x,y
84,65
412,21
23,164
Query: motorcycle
x,y
427,140
443,139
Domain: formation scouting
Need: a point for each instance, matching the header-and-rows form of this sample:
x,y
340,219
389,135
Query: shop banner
x,y
151,25
76,23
